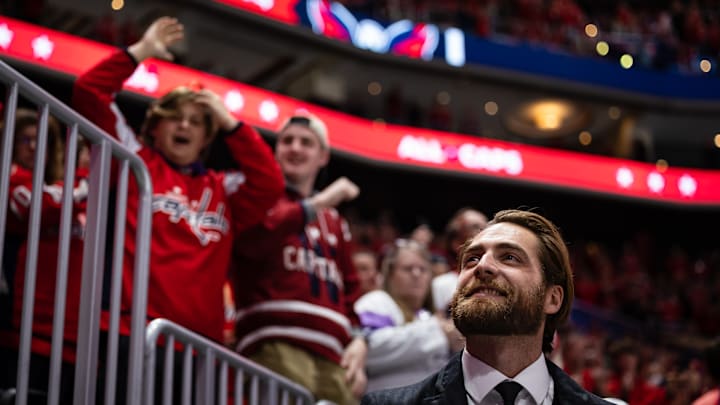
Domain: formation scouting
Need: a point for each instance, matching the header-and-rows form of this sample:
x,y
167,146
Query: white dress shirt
x,y
480,380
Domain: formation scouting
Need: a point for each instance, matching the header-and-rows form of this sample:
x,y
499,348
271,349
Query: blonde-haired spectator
x,y
406,340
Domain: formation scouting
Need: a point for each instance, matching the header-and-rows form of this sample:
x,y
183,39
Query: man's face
x,y
468,224
367,270
300,154
500,287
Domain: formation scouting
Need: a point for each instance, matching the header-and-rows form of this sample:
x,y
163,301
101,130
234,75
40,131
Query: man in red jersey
x,y
296,282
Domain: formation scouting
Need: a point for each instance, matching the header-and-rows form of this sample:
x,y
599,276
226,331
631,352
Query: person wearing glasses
x,y
406,340
295,282
12,280
21,169
515,288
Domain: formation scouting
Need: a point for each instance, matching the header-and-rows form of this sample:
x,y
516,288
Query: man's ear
x,y
553,299
324,157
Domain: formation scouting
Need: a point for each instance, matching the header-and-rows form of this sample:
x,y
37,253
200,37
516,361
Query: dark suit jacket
x,y
446,387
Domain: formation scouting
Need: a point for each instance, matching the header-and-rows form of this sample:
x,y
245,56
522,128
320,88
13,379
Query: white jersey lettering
x,y
301,259
207,226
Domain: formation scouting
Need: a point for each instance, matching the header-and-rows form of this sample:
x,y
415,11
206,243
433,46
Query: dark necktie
x,y
508,391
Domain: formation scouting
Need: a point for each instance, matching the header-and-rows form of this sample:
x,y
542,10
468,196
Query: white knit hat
x,y
315,124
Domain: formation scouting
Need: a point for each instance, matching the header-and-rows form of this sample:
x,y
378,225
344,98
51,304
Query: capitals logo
x,y
333,20
207,226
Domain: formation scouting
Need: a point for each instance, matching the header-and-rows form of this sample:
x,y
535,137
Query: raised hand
x,y
340,190
162,33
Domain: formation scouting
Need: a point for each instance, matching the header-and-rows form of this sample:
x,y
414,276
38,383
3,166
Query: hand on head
x,y
162,33
215,104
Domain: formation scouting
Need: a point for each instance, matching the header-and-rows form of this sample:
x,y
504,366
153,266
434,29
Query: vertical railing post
x,y
92,275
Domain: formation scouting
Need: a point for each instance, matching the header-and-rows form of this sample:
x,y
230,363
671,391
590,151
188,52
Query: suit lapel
x,y
449,385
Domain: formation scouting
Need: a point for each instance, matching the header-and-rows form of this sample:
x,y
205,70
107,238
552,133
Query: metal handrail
x,y
264,385
104,148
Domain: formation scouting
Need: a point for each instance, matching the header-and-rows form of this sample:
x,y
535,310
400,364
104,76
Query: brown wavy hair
x,y
167,106
54,167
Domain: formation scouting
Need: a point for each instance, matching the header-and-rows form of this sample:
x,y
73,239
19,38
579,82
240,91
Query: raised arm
x,y
94,91
290,217
262,181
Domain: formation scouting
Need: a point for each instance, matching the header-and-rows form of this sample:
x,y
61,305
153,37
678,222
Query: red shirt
x,y
20,192
296,281
194,216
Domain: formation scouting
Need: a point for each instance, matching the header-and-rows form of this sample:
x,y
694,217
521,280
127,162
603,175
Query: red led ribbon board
x,y
404,146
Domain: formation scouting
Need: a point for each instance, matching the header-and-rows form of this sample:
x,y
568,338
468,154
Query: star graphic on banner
x,y
269,111
624,177
234,101
687,185
265,5
656,182
6,36
42,47
144,78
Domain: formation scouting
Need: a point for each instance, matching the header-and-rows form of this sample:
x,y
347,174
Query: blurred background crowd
x,y
646,302
672,36
643,314
668,35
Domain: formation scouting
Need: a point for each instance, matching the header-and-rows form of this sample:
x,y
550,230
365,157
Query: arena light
x,y
455,47
549,115
585,138
626,61
591,30
705,66
602,48
546,118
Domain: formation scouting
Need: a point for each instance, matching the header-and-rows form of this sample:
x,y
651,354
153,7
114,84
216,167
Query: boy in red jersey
x,y
195,211
296,283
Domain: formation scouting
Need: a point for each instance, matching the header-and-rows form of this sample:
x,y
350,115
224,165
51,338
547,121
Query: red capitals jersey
x,y
194,215
295,281
43,310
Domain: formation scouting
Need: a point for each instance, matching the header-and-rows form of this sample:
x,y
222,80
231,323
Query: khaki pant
x,y
324,378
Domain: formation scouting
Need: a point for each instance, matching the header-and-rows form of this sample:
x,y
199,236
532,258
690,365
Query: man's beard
x,y
518,314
